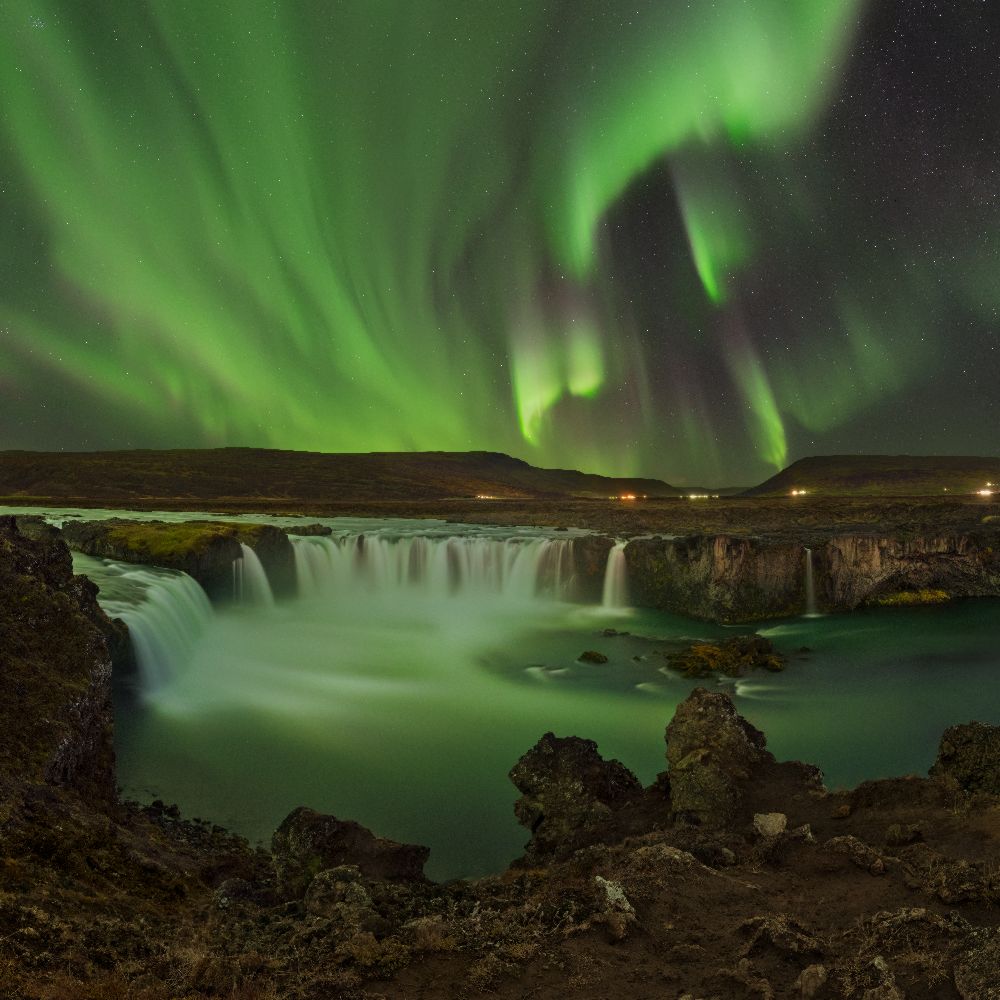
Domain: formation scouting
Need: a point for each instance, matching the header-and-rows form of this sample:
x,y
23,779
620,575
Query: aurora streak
x,y
686,240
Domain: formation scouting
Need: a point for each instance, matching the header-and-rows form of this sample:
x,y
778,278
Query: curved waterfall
x,y
510,568
166,613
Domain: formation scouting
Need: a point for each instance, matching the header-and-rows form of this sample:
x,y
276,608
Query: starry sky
x,y
691,239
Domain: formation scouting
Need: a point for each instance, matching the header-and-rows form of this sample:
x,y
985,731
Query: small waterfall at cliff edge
x,y
250,583
615,592
810,586
512,569
166,613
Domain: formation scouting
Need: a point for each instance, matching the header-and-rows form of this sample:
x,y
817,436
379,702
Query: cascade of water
x,y
165,622
810,585
511,568
615,594
250,583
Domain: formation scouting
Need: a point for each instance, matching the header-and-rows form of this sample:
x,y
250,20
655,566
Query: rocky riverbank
x,y
733,875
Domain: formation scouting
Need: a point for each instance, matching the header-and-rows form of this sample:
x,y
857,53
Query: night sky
x,y
694,240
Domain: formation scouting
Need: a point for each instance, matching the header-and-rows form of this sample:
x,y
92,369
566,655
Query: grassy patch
x,y
160,542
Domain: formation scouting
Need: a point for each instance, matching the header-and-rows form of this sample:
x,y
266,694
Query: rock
x,y
613,633
899,835
232,891
334,886
592,656
812,979
307,842
970,754
885,988
568,792
951,881
205,550
859,853
977,973
308,529
617,913
732,658
770,824
711,752
55,662
776,932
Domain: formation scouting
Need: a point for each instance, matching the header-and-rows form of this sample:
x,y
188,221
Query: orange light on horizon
x,y
799,493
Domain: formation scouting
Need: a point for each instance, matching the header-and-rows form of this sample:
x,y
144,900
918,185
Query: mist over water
x,y
423,659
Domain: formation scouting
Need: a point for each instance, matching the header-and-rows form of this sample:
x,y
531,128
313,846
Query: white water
x,y
250,583
166,612
615,593
810,586
512,569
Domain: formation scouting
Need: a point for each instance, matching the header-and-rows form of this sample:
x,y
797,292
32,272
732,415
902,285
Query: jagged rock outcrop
x,y
205,550
568,793
970,754
712,752
308,842
55,664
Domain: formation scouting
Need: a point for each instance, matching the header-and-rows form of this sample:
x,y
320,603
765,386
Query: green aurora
x,y
649,238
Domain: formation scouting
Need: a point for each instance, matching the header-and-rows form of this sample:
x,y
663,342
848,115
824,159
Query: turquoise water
x,y
409,721
404,708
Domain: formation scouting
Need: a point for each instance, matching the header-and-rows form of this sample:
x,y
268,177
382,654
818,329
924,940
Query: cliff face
x,y
55,712
738,579
717,577
855,569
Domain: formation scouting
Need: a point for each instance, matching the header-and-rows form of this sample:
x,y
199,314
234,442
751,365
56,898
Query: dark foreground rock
x,y
568,793
971,755
732,876
307,842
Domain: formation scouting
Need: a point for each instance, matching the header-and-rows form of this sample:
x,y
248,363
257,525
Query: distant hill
x,y
883,475
244,474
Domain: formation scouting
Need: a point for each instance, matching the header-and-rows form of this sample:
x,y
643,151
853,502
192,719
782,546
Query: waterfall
x,y
459,565
166,617
810,586
250,583
615,594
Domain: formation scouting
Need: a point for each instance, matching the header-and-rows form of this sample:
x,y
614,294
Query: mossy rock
x,y
912,598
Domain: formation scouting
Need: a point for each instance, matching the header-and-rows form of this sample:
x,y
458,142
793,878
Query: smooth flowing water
x,y
810,585
423,659
615,591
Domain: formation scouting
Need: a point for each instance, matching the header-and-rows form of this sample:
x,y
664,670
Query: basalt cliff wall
x,y
736,579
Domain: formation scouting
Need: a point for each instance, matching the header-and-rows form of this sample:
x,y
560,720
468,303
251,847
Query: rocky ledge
x,y
736,579
733,875
205,550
